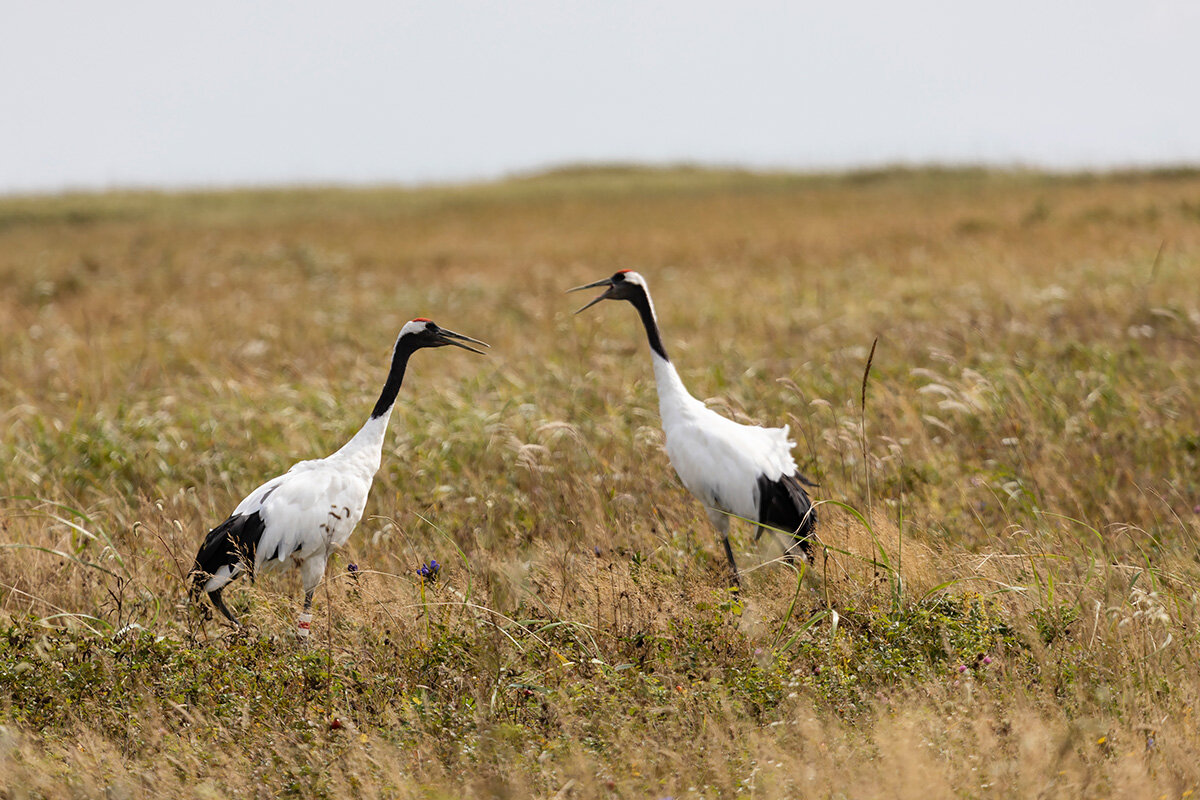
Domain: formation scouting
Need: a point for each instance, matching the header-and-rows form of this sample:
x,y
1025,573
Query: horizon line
x,y
583,168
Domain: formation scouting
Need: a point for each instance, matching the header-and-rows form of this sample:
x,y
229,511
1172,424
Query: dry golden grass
x,y
1017,619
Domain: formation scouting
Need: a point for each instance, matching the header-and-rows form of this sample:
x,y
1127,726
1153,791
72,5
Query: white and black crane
x,y
301,517
745,470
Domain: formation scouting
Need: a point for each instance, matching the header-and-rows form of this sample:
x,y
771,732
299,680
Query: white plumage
x,y
746,470
309,511
303,516
717,459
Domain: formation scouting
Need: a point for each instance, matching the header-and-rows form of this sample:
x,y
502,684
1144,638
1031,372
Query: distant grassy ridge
x,y
205,206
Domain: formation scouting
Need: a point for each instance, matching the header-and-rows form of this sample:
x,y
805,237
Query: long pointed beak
x,y
606,282
457,339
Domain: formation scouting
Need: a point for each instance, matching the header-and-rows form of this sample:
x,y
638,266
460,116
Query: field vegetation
x,y
1005,604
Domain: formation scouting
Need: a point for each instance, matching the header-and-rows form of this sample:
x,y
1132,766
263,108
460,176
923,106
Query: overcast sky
x,y
97,95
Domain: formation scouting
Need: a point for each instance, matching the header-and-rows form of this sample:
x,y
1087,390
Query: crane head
x,y
623,285
422,332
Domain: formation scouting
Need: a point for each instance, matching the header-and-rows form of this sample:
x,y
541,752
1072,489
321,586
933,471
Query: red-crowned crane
x,y
301,517
746,470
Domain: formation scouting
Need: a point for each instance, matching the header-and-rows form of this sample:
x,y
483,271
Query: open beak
x,y
458,340
606,282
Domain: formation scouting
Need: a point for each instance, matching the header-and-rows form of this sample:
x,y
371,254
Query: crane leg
x,y
734,581
311,572
720,521
305,622
215,597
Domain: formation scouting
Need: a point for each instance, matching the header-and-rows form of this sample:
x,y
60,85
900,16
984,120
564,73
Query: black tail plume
x,y
784,505
233,541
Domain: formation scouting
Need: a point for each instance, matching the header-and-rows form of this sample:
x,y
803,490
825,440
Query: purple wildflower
x,y
429,572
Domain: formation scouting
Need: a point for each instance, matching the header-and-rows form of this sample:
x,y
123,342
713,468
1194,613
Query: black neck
x,y
391,388
641,301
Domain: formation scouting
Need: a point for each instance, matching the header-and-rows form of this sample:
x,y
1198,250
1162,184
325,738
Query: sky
x,y
180,95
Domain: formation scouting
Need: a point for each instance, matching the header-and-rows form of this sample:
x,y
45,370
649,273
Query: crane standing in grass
x,y
745,470
301,517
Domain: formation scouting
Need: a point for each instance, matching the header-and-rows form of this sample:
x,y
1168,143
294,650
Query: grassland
x,y
1007,606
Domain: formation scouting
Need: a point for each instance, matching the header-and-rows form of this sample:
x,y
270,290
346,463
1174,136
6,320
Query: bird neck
x,y
366,446
364,451
391,387
674,400
645,306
